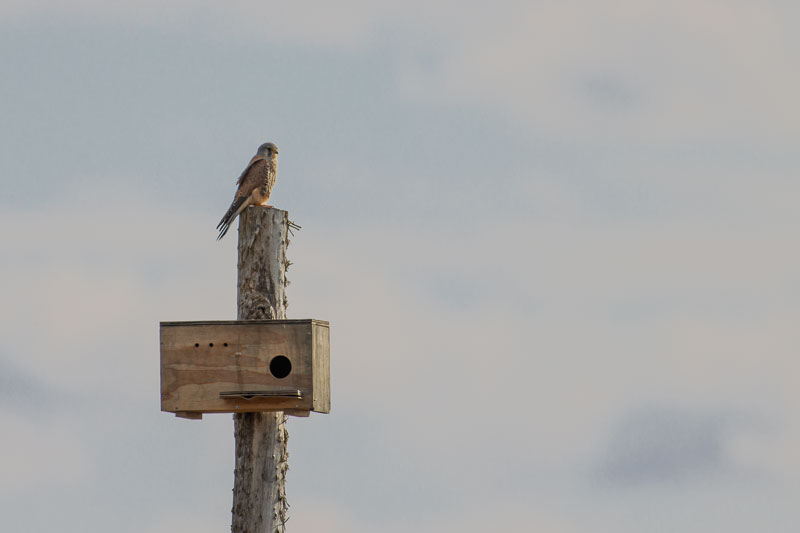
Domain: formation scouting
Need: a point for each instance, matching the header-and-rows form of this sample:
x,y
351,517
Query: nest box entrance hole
x,y
280,366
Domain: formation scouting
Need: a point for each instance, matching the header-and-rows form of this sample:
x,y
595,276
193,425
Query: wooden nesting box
x,y
245,366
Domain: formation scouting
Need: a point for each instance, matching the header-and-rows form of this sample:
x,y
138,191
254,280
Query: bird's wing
x,y
257,161
250,180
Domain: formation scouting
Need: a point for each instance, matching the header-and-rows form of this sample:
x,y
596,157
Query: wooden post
x,y
259,488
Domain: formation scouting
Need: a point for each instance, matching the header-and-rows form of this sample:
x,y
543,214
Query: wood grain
x,y
201,360
262,452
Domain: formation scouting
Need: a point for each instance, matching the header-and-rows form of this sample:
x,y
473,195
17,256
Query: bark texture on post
x,y
259,488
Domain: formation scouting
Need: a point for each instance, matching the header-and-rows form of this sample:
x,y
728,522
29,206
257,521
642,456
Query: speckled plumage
x,y
254,185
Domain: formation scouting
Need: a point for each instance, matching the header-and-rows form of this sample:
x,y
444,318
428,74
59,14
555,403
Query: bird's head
x,y
267,150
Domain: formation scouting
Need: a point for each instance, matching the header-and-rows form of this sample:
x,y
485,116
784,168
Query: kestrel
x,y
255,185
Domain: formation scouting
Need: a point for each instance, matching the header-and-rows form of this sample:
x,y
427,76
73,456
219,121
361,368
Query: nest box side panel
x,y
202,362
321,374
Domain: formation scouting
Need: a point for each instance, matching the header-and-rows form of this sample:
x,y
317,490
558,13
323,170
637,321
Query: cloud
x,y
657,445
642,72
569,325
680,445
511,514
344,26
625,71
37,454
19,390
183,522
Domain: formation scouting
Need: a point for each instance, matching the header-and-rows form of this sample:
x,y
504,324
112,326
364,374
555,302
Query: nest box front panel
x,y
244,366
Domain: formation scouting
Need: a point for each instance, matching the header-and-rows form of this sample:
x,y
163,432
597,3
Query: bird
x,y
254,185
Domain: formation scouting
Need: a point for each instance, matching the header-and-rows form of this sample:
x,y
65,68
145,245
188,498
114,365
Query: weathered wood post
x,y
260,367
259,489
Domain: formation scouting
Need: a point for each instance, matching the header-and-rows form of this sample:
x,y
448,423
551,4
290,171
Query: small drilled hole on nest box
x,y
224,343
197,345
280,366
210,344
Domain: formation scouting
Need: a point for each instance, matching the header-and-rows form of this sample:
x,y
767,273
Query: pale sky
x,y
556,242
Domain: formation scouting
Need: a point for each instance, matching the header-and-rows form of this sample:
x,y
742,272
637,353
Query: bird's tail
x,y
224,224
